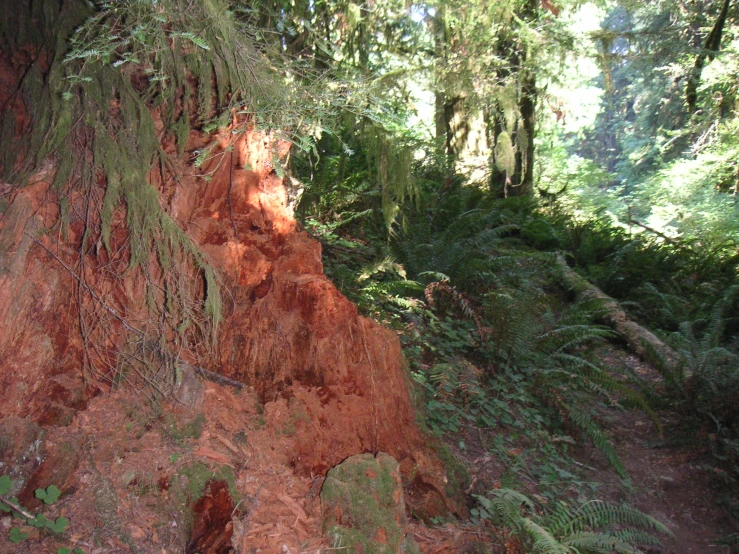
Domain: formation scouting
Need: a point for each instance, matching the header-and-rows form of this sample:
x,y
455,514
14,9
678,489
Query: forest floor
x,y
135,472
670,478
128,494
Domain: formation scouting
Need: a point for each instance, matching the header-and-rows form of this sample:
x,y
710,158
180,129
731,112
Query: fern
x,y
594,527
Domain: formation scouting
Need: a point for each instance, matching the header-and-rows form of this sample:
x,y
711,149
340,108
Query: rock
x,y
22,450
188,391
363,506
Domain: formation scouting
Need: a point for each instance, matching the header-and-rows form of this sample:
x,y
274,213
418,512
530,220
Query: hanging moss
x,y
392,162
505,155
90,104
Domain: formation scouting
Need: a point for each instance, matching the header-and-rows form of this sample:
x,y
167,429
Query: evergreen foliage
x,y
442,108
593,527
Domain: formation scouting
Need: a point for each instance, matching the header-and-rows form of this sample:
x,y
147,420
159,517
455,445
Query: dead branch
x,y
18,508
639,339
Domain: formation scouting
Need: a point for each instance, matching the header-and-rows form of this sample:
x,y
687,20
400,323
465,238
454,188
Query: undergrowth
x,y
503,356
593,527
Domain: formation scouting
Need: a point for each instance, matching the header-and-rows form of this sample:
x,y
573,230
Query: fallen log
x,y
640,340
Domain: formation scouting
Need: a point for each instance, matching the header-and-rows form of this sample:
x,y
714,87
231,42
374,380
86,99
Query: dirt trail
x,y
671,482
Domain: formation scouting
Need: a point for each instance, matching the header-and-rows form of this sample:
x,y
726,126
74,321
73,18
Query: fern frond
x,y
593,541
636,536
544,541
597,513
599,438
571,336
594,376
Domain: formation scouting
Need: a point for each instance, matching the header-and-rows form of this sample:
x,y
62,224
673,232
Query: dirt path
x,y
673,483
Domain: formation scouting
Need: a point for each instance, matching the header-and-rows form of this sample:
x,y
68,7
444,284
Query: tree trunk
x,y
713,43
640,340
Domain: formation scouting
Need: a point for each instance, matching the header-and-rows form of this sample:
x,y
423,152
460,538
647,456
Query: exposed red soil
x,y
332,380
125,492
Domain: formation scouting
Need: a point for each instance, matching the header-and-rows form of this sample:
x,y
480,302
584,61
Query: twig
x,y
667,239
215,377
16,507
586,467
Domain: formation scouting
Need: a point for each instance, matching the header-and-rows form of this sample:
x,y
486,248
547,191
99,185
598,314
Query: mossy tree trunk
x,y
640,340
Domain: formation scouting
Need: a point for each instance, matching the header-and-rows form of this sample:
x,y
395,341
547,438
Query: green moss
x,y
362,490
178,431
188,485
457,474
195,428
297,415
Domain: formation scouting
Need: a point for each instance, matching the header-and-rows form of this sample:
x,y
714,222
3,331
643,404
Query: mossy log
x,y
640,340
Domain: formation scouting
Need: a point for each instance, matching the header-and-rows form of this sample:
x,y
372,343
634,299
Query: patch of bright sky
x,y
575,88
420,11
420,90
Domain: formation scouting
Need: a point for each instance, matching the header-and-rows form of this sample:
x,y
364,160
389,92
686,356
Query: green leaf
x,y
5,484
39,521
63,550
59,526
196,40
50,495
16,535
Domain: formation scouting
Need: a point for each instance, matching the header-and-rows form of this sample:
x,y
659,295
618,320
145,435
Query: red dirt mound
x,y
287,331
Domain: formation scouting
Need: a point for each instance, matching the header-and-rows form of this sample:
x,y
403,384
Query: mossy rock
x,y
363,506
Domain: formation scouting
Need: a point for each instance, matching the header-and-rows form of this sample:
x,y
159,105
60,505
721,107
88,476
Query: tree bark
x,y
713,43
640,340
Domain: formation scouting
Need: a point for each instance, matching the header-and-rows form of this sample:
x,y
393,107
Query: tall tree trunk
x,y
521,182
525,161
710,48
460,124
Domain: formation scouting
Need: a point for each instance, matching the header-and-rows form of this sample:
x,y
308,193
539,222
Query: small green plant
x,y
594,527
48,496
178,432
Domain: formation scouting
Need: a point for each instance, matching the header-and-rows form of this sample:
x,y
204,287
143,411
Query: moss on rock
x,y
363,506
